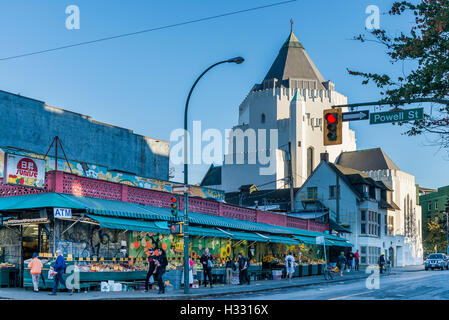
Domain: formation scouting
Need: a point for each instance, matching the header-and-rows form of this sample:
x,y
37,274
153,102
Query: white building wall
x,y
297,119
403,185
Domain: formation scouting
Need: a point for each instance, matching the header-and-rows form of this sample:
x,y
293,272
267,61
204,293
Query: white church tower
x,y
291,100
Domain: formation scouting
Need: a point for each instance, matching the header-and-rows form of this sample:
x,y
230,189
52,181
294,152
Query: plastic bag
x,y
51,273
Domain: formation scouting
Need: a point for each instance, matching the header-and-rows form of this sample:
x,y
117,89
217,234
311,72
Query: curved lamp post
x,y
237,60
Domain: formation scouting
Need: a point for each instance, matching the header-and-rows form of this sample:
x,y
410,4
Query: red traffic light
x,y
173,199
330,118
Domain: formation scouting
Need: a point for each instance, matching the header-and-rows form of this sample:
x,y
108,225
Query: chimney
x,y
324,156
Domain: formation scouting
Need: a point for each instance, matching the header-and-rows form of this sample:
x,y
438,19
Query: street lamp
x,y
237,60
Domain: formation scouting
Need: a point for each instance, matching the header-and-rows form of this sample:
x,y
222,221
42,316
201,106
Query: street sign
x,y
396,116
358,115
179,189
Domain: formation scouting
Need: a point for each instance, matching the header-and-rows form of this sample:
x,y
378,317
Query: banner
x,y
25,171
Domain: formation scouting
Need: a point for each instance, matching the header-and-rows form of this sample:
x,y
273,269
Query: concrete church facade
x,y
291,100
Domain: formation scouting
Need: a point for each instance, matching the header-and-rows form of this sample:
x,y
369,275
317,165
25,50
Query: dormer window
x,y
377,192
262,118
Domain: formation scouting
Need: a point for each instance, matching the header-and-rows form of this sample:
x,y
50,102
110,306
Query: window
x,y
370,224
391,226
429,206
311,192
332,192
310,161
262,118
386,224
436,204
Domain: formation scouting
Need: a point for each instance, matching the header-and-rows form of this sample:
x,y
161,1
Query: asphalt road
x,y
419,285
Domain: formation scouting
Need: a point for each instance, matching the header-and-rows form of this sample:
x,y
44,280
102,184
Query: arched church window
x,y
262,118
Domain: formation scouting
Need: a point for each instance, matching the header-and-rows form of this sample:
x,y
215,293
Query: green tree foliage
x,y
435,234
425,47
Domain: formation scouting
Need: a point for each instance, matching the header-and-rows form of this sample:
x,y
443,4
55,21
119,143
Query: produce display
x,y
6,265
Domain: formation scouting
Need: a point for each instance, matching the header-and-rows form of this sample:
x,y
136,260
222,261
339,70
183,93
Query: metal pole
x,y
292,195
237,60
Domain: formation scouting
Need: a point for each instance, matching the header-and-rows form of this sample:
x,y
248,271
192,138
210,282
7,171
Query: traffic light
x,y
176,228
174,206
332,129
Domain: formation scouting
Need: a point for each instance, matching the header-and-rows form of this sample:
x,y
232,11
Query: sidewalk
x,y
217,290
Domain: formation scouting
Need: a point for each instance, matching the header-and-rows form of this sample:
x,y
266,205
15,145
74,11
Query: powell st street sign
x,y
397,116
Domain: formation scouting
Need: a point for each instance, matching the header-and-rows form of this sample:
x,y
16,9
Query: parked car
x,y
437,261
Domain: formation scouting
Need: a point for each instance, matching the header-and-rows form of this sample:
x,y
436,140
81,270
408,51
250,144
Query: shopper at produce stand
x,y
161,265
206,262
36,269
290,265
243,269
60,269
230,268
151,269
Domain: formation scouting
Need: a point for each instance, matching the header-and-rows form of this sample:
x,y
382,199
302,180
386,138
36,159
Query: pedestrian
x,y
36,269
381,262
161,265
341,262
356,259
151,269
243,269
60,269
350,257
230,268
190,272
206,262
290,265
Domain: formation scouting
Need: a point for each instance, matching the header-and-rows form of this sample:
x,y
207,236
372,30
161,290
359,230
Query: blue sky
x,y
141,82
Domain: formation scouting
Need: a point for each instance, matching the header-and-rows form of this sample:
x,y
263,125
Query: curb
x,y
216,294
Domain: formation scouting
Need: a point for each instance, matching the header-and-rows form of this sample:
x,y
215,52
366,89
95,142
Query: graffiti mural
x,y
102,173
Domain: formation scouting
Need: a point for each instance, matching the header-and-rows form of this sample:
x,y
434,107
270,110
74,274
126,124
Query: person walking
x,y
230,268
243,269
161,265
350,257
381,262
151,269
36,269
190,273
60,269
341,263
290,265
206,262
356,259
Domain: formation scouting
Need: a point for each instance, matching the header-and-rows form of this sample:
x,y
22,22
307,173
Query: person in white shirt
x,y
290,265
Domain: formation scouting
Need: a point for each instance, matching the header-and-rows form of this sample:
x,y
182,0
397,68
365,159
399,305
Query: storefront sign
x,y
62,213
25,171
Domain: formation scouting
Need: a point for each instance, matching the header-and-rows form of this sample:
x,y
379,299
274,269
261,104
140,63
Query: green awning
x,y
338,227
247,236
121,209
278,239
306,240
206,232
131,224
40,200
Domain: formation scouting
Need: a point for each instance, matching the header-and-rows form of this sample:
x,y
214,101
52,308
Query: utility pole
x,y
290,169
337,191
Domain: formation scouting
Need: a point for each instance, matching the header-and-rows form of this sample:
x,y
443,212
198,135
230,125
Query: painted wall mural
x,y
102,173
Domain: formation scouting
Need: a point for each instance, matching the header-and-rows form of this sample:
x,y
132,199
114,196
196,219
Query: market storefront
x,y
106,240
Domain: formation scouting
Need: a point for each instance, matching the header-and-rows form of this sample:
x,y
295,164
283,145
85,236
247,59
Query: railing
x,y
62,182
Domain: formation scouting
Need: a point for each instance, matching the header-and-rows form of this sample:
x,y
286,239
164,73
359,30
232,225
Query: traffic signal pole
x,y
237,60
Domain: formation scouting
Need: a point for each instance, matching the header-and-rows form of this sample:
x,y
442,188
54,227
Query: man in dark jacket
x,y
206,262
341,263
60,267
151,268
161,265
243,269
